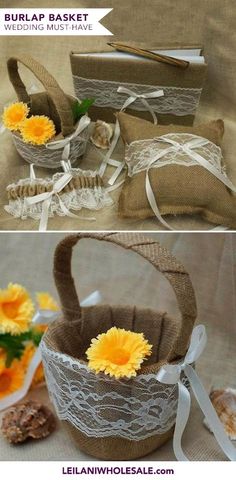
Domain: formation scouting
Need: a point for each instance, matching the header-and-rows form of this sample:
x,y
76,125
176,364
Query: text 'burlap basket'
x,y
53,103
126,418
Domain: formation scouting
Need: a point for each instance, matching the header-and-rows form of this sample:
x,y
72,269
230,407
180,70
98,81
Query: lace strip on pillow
x,y
176,100
101,406
171,149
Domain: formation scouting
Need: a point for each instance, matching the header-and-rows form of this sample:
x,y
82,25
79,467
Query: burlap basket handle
x,y
51,86
158,256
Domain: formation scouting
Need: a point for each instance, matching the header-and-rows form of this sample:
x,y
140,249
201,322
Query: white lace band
x,y
101,406
51,154
176,100
134,409
171,149
174,149
54,202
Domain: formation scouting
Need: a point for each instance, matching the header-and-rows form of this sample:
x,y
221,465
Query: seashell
x,y
28,419
102,134
224,402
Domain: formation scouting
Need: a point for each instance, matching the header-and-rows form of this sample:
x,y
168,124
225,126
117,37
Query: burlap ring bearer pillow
x,y
109,418
54,103
175,170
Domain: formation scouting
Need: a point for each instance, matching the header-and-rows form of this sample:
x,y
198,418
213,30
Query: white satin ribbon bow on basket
x,y
65,142
133,96
46,198
170,374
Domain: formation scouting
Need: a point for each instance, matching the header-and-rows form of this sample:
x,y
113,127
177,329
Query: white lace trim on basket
x,y
100,406
174,149
48,204
176,100
50,155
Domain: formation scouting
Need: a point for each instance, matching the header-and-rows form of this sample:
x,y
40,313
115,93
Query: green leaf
x,y
36,337
14,345
80,108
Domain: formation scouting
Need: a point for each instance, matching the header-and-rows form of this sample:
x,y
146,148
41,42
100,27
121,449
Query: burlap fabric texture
x,y
52,102
72,334
178,189
137,71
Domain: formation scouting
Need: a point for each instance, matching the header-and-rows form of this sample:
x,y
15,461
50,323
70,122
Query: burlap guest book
x,y
172,93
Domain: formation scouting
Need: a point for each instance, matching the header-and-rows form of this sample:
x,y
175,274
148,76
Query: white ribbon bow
x,y
46,199
65,142
171,374
133,96
187,148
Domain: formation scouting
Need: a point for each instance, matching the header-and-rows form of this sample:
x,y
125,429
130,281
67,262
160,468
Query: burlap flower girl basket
x,y
126,418
53,103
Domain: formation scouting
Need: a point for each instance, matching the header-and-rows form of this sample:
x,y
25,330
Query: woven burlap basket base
x,y
113,448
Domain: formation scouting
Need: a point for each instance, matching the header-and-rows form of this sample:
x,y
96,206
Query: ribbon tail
x,y
150,109
68,213
111,149
182,416
66,152
212,169
44,216
210,413
153,204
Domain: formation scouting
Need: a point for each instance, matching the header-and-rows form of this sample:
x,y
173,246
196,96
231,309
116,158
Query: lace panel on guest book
x,y
176,100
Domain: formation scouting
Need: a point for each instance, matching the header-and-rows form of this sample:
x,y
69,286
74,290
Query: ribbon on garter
x,y
41,317
46,199
65,142
187,148
171,375
133,96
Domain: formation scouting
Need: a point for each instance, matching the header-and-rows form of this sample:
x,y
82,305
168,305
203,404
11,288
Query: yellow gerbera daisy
x,y
11,379
16,309
2,360
27,355
46,302
14,115
25,360
118,352
37,130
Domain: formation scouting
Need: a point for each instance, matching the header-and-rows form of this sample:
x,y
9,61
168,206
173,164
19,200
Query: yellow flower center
x,y
119,356
16,116
38,131
10,309
5,381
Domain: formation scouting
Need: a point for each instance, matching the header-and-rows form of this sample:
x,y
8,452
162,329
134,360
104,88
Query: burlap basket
x,y
116,419
53,103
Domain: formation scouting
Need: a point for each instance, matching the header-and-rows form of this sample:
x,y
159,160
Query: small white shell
x,y
224,402
102,134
